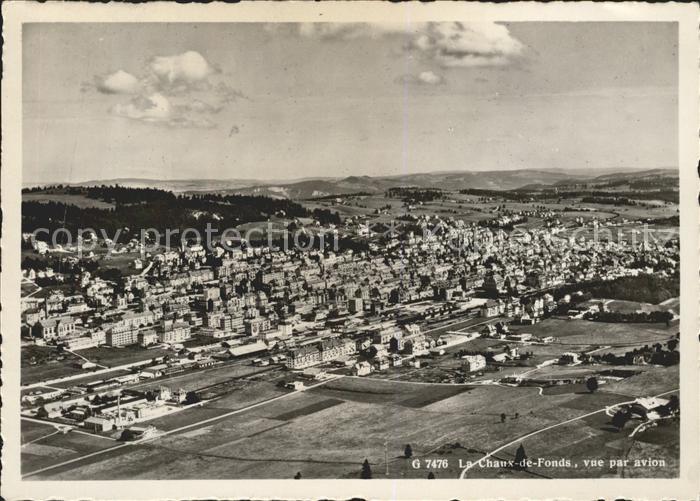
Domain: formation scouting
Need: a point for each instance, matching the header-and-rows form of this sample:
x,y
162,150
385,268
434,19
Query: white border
x,y
14,13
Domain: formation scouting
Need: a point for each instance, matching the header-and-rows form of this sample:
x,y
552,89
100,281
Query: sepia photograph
x,y
430,247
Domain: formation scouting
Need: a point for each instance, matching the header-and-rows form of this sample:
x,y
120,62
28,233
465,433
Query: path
x,y
82,375
532,434
177,430
87,360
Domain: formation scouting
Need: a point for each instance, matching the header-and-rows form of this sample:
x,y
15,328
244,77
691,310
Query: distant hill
x,y
484,180
305,188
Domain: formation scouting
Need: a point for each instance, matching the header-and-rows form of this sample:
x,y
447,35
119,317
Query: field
x,y
46,366
113,357
290,434
56,196
42,446
49,368
584,332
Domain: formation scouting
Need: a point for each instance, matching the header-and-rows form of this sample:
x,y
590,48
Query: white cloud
x,y
119,82
430,78
348,31
449,44
153,108
467,44
422,78
186,68
178,91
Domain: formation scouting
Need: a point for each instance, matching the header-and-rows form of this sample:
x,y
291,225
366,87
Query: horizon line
x,y
258,181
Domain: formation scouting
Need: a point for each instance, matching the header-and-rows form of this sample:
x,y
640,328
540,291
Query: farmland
x,y
458,422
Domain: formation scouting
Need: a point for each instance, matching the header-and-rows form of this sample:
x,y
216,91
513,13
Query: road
x,y
89,361
82,375
462,321
463,474
177,430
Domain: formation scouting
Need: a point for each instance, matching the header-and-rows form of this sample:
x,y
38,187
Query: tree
x,y
431,476
673,403
407,451
192,398
592,384
620,418
42,413
366,470
520,458
503,417
297,476
127,435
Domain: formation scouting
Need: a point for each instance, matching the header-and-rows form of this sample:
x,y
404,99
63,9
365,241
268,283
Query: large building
x,y
56,327
319,352
122,336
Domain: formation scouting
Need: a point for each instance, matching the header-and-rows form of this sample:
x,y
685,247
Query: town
x,y
468,294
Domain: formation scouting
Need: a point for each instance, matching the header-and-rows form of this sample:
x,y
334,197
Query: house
x,y
472,363
55,327
362,369
499,357
99,423
295,385
33,315
569,358
381,364
490,309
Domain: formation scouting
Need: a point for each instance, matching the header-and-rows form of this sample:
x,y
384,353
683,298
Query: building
x,y
175,333
362,369
355,305
80,343
318,352
99,423
121,336
147,338
490,309
473,363
569,358
55,327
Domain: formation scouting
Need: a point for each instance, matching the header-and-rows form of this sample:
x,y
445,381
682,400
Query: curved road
x,y
520,439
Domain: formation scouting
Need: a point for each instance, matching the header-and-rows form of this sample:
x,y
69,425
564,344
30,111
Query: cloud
x,y
422,78
153,108
349,31
456,44
119,82
182,90
158,109
199,106
187,68
449,44
430,78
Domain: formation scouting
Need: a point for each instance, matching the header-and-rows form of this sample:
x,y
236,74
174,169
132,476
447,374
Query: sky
x,y
285,101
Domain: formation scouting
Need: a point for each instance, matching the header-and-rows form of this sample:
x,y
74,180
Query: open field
x,y
60,447
70,199
49,368
365,413
55,369
584,332
32,430
113,357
